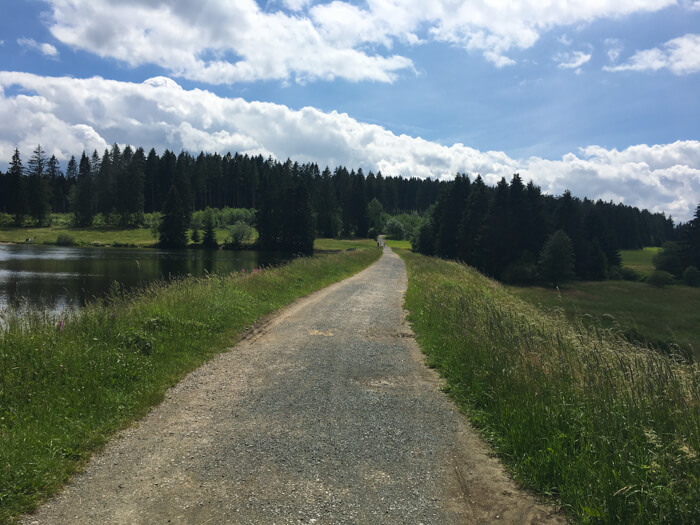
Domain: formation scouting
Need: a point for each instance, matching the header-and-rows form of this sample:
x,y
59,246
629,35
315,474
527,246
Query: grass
x,y
665,318
640,260
404,245
93,235
342,244
576,413
66,385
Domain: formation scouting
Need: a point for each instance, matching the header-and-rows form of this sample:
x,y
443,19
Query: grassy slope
x,y
405,245
653,315
612,432
640,260
65,388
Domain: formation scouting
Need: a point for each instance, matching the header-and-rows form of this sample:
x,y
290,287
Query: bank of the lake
x,y
66,387
60,278
578,414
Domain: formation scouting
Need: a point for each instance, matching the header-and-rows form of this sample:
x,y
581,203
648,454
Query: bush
x,y
394,230
64,239
691,276
241,232
660,278
624,273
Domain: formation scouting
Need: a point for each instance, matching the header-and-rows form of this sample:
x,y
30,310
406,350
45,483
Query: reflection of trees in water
x,y
32,278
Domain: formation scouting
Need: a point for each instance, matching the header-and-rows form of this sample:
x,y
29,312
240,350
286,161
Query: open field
x,y
640,260
105,236
405,245
66,385
610,431
662,317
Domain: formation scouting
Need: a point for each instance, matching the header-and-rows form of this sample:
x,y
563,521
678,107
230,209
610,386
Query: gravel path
x,y
325,414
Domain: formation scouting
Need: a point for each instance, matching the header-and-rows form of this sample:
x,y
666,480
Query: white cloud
x,y
45,49
220,41
680,55
614,48
573,60
68,115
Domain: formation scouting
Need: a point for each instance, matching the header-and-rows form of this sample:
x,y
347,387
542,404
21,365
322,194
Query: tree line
x,y
500,230
503,231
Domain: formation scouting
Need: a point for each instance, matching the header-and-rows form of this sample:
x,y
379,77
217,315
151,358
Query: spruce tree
x,y
173,223
556,264
38,189
84,201
16,187
209,236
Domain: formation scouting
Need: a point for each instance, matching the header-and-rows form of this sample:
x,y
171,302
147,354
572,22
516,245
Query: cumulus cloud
x,y
67,115
572,60
45,49
681,56
219,41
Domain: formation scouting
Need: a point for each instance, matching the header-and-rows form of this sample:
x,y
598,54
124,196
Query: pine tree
x,y
209,236
16,187
38,189
556,264
173,223
83,201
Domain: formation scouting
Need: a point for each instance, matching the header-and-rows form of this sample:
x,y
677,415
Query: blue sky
x,y
598,97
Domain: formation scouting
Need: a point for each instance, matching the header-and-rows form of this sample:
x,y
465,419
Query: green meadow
x,y
640,260
665,318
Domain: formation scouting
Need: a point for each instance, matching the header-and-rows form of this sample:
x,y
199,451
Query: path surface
x,y
325,415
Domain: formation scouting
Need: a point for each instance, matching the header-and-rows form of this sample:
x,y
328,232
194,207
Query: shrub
x,y
394,229
660,278
625,273
241,232
691,276
64,239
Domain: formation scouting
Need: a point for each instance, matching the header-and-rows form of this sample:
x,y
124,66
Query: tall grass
x,y
67,384
610,431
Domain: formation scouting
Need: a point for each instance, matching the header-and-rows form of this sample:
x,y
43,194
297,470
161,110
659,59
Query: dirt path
x,y
325,415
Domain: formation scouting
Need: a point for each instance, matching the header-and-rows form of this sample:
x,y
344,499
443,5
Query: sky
x,y
601,97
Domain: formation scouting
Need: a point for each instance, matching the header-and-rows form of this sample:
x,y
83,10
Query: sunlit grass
x,y
343,244
640,260
404,245
609,430
67,384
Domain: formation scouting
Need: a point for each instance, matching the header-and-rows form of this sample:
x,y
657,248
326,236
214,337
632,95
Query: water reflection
x,y
55,278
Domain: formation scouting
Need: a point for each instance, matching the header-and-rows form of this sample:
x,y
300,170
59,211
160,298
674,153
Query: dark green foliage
x,y
173,223
394,229
209,236
375,212
670,258
38,189
195,236
17,191
83,200
241,233
660,278
691,276
557,260
64,239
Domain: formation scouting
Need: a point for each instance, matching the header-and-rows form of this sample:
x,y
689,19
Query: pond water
x,y
55,278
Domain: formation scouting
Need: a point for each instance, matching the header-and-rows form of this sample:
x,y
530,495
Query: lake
x,y
55,278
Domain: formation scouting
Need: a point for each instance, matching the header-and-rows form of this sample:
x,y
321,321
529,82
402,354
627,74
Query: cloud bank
x,y
224,41
680,55
67,115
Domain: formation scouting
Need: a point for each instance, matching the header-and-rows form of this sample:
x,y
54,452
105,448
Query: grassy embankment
x,y
140,237
609,430
665,318
65,387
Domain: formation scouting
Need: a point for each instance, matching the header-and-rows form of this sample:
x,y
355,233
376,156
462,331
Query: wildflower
x,y
61,325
